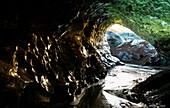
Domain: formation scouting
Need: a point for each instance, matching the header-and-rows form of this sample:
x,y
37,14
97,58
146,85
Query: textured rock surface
x,y
51,60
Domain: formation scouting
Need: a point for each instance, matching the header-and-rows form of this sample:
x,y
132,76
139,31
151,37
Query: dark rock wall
x,y
154,91
50,51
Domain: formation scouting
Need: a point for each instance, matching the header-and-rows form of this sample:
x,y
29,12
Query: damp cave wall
x,y
50,50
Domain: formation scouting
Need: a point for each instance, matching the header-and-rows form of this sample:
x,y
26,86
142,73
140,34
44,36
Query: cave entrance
x,y
129,47
136,53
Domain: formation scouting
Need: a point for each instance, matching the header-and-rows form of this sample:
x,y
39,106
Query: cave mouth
x,y
143,63
126,45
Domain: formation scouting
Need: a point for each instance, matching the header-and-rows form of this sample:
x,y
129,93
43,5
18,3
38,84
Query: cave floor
x,y
118,79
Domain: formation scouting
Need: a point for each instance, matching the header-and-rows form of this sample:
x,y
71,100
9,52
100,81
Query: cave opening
x,y
129,47
53,53
139,61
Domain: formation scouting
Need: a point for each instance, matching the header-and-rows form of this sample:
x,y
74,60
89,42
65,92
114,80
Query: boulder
x,y
129,47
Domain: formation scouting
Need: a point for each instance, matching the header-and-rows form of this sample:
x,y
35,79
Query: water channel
x,y
119,78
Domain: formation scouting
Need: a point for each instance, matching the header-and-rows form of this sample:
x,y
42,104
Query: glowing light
x,y
78,37
119,28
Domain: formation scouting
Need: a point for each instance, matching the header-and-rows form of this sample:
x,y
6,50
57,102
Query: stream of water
x,y
120,78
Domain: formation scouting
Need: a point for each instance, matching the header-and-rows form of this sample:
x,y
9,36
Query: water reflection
x,y
123,78
118,79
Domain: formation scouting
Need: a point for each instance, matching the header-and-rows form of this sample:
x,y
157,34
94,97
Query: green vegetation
x,y
150,19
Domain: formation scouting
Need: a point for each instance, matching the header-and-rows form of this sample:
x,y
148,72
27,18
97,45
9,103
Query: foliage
x,y
150,19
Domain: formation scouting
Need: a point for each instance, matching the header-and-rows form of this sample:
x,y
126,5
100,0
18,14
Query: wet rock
x,y
40,66
154,91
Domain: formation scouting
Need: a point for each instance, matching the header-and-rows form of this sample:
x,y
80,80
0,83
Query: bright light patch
x,y
116,28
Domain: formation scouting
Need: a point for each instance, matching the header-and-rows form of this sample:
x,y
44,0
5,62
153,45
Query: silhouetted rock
x,y
154,91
